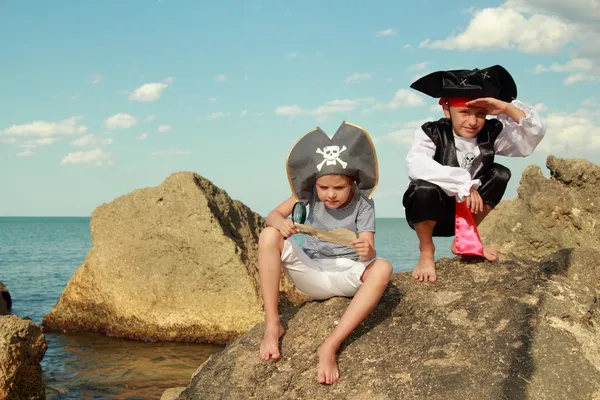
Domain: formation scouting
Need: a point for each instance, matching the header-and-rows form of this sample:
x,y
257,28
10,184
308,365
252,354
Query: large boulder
x,y
22,348
549,214
176,262
512,329
5,300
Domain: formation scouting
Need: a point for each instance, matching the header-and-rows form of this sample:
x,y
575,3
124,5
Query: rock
x,y
172,393
5,300
548,214
512,329
177,262
22,348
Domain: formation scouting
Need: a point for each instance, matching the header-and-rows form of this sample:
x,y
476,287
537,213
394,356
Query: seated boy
x,y
452,159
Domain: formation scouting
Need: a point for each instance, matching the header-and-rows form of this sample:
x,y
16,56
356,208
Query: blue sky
x,y
101,98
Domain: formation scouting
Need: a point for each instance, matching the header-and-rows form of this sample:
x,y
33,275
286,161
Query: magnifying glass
x,y
299,213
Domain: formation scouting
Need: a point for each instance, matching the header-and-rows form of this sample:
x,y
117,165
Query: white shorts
x,y
322,278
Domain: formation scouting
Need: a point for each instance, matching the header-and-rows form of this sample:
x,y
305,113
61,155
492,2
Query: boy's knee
x,y
269,237
501,173
383,270
425,190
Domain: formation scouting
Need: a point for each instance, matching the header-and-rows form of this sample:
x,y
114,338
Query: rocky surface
x,y
5,300
524,327
176,262
504,330
549,214
22,348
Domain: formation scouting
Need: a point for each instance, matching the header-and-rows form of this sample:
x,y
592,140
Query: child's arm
x,y
523,128
278,218
364,245
454,181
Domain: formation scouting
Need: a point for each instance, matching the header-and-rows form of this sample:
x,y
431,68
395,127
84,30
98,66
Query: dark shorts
x,y
424,201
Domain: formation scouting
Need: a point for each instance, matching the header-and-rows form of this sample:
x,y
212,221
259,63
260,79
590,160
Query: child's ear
x,y
446,110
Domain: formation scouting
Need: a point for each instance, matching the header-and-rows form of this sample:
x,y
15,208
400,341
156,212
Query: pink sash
x,y
466,236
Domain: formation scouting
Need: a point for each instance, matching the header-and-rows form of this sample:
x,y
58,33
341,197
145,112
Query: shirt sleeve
x,y
365,217
520,139
454,181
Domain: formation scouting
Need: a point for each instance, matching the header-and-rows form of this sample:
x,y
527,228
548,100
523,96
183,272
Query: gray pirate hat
x,y
349,152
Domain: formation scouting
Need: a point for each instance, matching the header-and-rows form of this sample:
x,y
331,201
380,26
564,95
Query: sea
x,y
38,256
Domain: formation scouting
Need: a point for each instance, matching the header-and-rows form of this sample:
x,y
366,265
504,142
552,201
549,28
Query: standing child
x,y
452,159
337,178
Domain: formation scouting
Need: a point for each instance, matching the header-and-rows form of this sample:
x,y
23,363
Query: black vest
x,y
440,133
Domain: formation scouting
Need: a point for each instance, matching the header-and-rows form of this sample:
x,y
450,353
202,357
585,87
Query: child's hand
x,y
363,248
474,201
287,228
492,106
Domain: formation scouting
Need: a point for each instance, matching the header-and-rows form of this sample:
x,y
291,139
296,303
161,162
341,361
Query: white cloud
x,y
246,78
294,55
95,156
418,67
244,113
591,102
120,121
143,136
579,77
540,107
164,129
150,118
9,140
96,78
356,77
215,115
33,143
65,127
403,98
388,79
171,152
574,10
90,140
574,133
386,32
325,110
25,153
506,28
220,78
575,64
404,136
212,99
148,92
169,80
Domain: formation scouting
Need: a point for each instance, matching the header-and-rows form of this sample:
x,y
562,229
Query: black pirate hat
x,y
494,81
349,152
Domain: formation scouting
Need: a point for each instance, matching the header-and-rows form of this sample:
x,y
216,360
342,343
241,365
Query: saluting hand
x,y
492,106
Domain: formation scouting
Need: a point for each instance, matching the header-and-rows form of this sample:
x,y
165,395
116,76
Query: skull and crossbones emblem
x,y
468,161
331,156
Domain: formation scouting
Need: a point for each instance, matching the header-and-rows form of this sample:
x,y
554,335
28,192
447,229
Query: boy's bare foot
x,y
328,371
269,348
425,269
489,252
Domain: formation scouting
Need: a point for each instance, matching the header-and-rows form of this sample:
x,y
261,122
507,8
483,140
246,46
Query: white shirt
x,y
515,140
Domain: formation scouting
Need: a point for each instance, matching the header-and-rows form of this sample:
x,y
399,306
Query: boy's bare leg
x,y
425,269
375,279
489,253
270,246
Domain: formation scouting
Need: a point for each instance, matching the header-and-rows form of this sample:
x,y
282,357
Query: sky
x,y
98,99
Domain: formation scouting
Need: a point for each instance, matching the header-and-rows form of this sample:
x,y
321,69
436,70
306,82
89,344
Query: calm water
x,y
38,256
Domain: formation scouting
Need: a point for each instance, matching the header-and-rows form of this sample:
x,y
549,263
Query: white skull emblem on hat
x,y
331,156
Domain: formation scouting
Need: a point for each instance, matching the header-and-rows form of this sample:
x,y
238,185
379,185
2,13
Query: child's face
x,y
466,121
334,191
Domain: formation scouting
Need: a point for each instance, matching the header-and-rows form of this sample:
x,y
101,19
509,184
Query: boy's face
x,y
334,191
466,121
